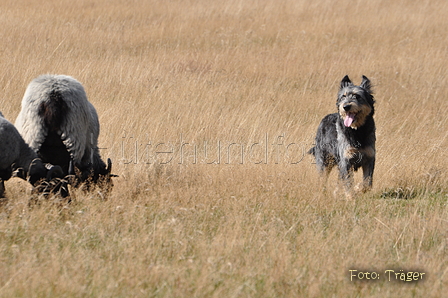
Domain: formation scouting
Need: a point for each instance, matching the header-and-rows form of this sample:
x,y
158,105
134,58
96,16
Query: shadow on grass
x,y
431,184
403,193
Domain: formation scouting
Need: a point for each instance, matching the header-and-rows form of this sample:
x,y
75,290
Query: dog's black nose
x,y
347,107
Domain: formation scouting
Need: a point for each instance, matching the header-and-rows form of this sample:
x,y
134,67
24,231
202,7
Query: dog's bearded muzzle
x,y
354,115
349,116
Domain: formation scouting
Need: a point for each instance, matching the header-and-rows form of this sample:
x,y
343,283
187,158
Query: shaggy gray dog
x,y
347,138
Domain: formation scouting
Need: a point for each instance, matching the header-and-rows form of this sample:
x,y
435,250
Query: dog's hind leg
x,y
324,174
324,164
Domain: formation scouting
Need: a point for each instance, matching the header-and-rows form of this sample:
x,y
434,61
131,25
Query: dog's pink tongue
x,y
349,119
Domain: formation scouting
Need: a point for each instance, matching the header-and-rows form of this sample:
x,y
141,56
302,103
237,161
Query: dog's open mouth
x,y
349,119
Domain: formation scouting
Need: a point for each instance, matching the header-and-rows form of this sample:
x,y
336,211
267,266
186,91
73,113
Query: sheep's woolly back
x,y
58,102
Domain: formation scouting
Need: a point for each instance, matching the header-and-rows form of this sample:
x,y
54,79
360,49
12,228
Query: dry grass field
x,y
207,109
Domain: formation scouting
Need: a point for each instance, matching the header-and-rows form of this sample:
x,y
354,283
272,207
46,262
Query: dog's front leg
x,y
367,171
346,176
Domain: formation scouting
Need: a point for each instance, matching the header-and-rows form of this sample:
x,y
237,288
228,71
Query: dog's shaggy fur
x,y
347,138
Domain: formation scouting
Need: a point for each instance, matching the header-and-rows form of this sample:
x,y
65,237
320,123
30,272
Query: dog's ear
x,y
366,84
346,82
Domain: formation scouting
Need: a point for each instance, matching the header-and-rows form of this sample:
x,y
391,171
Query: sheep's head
x,y
109,169
39,171
36,171
105,178
47,178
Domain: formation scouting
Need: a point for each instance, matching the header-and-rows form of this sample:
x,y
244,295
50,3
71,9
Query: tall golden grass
x,y
207,109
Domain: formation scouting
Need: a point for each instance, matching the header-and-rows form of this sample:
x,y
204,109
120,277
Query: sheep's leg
x,y
2,188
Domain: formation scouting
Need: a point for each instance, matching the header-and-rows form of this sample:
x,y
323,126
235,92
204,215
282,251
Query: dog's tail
x,y
312,151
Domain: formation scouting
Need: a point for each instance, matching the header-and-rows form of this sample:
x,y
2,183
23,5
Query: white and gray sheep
x,y
61,125
17,157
